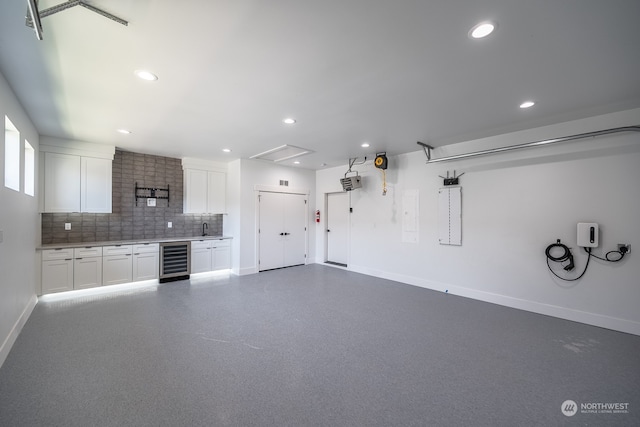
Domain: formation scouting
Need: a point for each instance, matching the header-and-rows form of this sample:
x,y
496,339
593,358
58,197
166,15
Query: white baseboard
x,y
247,270
15,331
594,319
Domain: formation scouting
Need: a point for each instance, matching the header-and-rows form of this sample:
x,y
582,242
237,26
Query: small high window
x,y
11,155
29,169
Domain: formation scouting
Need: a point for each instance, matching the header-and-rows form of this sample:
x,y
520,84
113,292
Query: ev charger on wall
x,y
588,234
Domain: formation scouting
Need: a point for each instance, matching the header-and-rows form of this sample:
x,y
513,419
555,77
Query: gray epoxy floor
x,y
306,346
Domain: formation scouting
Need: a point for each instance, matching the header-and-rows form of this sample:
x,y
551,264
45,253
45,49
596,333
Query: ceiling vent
x,y
284,152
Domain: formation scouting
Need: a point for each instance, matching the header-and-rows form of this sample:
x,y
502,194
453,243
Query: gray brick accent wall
x,y
128,221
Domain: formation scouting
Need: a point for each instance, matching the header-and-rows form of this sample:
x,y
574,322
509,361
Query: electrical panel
x,y
588,234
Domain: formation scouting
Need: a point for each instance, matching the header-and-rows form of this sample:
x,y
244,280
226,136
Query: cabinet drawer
x,y
57,254
200,244
117,250
223,243
146,248
87,252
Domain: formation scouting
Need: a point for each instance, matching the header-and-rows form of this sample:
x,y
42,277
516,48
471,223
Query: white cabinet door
x,y
195,191
95,185
146,261
87,272
216,192
117,269
57,275
200,256
61,183
145,266
221,255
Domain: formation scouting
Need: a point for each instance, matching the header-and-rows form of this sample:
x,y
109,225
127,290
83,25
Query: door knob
x,y
286,234
282,234
328,231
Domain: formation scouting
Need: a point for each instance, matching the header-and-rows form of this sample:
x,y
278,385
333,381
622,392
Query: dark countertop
x,y
127,242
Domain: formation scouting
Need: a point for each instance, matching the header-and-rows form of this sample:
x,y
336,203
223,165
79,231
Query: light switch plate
x,y
67,226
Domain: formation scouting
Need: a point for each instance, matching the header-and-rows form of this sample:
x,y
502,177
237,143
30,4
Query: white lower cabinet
x,y
87,267
145,261
200,256
221,254
57,270
210,255
66,269
117,264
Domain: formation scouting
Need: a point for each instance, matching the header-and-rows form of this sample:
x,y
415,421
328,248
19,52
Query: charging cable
x,y
565,256
568,256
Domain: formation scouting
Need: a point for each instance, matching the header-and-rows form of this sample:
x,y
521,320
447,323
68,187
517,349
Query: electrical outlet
x,y
67,226
624,245
169,224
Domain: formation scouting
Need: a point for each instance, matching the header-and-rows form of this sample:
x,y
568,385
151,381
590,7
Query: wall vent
x,y
284,183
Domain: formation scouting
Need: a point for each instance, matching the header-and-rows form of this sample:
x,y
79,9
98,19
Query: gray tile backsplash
x,y
128,221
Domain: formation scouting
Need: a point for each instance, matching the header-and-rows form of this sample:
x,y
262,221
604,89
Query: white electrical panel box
x,y
588,234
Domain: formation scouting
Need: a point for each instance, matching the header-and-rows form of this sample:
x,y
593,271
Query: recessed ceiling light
x,y
482,30
124,131
226,150
296,162
527,104
289,121
146,75
364,145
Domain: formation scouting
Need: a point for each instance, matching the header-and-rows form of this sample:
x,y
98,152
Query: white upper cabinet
x,y
76,176
216,192
195,191
61,182
95,185
205,186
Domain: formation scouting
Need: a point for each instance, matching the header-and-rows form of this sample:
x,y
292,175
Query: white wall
x,y
514,205
19,221
257,174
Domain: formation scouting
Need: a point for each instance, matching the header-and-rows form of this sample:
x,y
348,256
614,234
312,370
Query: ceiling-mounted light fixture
x,y
289,121
482,30
124,131
146,75
527,104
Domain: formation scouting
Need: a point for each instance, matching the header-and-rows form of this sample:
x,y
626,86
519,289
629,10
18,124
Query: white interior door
x,y
295,229
282,230
337,227
270,229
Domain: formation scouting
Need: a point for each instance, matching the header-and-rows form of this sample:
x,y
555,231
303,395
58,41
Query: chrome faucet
x,y
204,225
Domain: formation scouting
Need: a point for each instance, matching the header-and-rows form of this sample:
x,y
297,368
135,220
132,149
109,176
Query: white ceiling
x,y
386,72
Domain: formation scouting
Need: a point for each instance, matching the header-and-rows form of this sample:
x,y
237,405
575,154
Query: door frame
x,y
257,189
325,224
